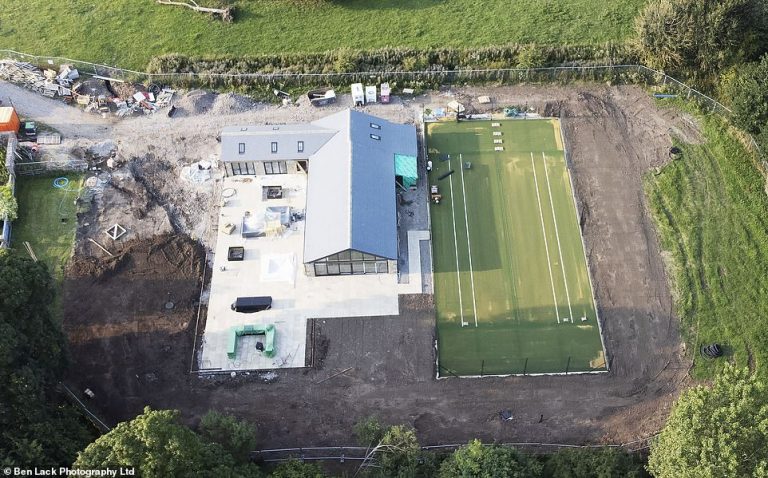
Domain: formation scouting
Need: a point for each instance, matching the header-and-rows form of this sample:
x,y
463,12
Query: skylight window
x,y
376,137
274,146
241,148
375,126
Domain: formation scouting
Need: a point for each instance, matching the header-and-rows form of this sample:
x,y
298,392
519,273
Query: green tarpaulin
x,y
405,166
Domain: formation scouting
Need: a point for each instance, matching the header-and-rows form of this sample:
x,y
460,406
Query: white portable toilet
x,y
385,92
358,97
370,94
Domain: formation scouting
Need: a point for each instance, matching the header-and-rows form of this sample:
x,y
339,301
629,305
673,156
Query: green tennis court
x,y
512,287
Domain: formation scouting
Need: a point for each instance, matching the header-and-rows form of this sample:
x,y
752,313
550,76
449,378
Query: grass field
x,y
41,210
711,211
508,257
128,33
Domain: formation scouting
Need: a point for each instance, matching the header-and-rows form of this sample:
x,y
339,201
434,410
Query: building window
x,y
241,148
274,146
301,146
351,262
275,167
375,126
376,137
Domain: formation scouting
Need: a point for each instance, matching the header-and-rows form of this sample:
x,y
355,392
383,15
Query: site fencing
x,y
614,74
366,455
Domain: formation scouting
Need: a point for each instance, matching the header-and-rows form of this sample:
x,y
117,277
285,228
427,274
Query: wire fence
x,y
343,454
616,74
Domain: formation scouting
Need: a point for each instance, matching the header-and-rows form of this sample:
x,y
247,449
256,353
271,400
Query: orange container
x,y
9,120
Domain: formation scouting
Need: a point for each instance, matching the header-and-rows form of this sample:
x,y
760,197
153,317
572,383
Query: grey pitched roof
x,y
257,141
351,197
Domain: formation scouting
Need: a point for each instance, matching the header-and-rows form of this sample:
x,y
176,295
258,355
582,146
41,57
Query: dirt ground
x,y
128,317
132,352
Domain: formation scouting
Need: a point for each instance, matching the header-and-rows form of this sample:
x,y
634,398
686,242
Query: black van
x,y
252,304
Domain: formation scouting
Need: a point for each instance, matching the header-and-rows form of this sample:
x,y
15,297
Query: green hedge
x,y
436,65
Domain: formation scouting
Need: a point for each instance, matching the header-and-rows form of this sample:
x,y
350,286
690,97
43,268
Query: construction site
x,y
169,236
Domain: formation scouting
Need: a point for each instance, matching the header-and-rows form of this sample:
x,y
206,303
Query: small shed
x,y
9,120
358,96
385,92
370,94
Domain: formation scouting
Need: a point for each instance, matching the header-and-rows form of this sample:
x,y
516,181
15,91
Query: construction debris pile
x,y
97,94
47,83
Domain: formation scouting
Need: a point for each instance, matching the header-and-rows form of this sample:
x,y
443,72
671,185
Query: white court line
x,y
544,232
469,246
557,235
456,244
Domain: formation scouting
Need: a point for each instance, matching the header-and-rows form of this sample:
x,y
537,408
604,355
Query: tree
x,y
369,431
297,469
397,453
479,461
37,427
156,444
227,14
8,205
236,437
748,92
593,463
720,431
700,37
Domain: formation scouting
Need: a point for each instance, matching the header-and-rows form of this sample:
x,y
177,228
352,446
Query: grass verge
x,y
711,212
47,220
130,32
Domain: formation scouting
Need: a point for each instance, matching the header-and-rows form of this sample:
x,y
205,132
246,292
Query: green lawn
x,y
41,210
508,226
712,215
129,32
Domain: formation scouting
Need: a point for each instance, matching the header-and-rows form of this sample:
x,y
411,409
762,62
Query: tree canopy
x,y
593,463
297,469
700,37
718,431
479,461
8,205
157,444
748,92
36,426
399,453
235,436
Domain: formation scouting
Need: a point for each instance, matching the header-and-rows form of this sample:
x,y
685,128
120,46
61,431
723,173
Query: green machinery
x,y
268,331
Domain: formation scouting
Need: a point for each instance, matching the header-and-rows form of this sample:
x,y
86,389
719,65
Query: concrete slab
x,y
296,298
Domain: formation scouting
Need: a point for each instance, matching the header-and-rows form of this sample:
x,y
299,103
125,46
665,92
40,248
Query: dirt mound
x,y
231,103
196,102
162,255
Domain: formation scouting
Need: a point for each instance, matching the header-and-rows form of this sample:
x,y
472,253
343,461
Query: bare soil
x,y
130,318
132,352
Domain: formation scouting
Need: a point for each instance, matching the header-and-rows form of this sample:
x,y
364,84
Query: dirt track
x,y
131,352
